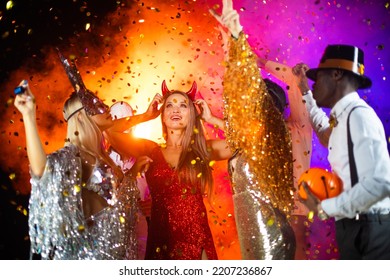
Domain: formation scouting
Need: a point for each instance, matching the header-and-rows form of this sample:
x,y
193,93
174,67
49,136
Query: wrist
x,y
29,116
209,119
236,34
321,213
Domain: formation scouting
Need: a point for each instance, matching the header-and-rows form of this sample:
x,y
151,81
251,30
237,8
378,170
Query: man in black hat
x,y
357,149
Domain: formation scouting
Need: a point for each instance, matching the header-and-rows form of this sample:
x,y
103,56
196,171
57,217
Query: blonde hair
x,y
83,132
193,148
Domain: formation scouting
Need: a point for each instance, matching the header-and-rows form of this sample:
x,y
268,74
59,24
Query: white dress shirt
x,y
371,193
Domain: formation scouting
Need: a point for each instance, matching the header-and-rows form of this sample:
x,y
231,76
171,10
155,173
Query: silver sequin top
x,y
57,226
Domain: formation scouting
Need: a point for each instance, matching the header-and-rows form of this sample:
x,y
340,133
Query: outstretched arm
x,y
105,122
318,119
298,112
25,103
125,143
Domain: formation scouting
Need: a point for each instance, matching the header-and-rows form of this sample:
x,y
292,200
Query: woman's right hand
x,y
25,102
299,71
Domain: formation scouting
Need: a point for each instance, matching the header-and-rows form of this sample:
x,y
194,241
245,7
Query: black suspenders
x,y
352,164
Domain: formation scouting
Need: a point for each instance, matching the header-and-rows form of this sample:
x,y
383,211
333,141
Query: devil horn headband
x,y
191,93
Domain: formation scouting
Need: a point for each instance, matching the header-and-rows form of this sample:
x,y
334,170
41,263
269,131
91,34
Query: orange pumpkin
x,y
321,182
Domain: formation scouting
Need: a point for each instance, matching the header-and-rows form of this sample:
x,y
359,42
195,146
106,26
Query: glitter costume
x,y
179,226
58,228
261,169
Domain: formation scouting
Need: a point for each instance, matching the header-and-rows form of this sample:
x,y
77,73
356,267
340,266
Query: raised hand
x,y
205,112
25,102
229,18
207,115
153,110
299,71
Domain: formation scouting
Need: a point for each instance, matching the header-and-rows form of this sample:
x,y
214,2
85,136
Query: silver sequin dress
x,y
57,226
261,171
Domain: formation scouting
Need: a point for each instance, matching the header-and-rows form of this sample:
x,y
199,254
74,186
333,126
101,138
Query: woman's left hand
x,y
205,112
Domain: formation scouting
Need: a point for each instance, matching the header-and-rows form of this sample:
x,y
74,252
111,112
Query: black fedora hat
x,y
343,57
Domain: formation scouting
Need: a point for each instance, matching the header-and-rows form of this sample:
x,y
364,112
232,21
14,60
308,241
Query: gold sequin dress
x,y
261,169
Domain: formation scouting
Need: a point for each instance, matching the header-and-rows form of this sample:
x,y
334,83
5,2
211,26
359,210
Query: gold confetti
x,y
199,175
193,162
9,5
12,176
122,220
81,228
270,222
211,163
77,188
310,215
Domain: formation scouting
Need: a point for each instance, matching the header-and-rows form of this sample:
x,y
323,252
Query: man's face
x,y
324,88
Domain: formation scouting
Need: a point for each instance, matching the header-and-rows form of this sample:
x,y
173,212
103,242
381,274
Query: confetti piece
x,y
9,5
310,215
80,228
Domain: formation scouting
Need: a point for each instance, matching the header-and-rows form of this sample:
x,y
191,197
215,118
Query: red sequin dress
x,y
179,228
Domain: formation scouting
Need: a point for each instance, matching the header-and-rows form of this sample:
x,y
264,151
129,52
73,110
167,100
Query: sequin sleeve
x,y
56,224
256,127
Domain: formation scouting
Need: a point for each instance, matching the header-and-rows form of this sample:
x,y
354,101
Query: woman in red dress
x,y
179,177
